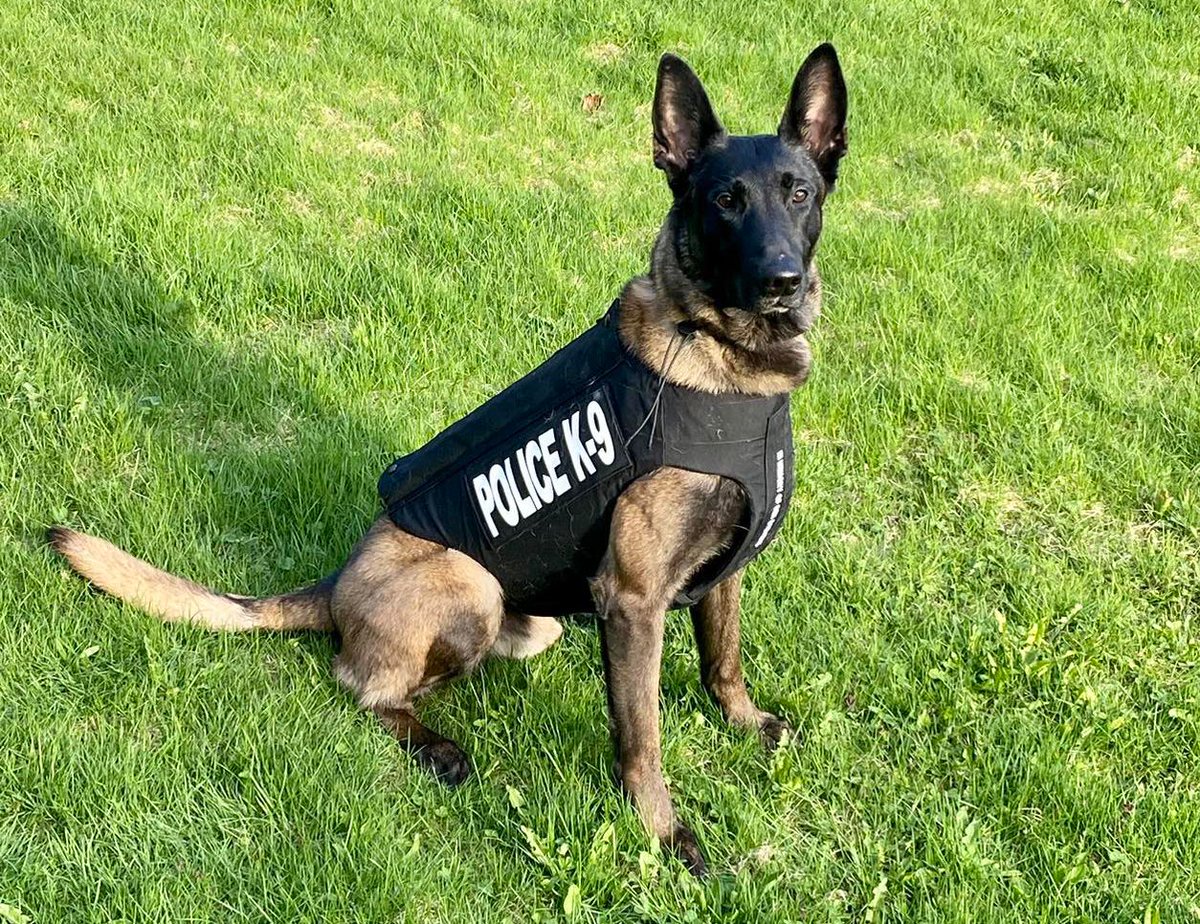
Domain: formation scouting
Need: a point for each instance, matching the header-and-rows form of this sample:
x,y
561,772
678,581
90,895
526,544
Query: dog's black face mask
x,y
749,207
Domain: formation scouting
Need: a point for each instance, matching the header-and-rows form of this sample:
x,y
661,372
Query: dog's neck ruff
x,y
526,483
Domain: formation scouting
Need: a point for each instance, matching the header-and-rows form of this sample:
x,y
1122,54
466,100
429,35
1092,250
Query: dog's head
x,y
747,211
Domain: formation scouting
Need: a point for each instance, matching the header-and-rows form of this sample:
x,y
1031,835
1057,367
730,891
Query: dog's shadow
x,y
148,360
236,415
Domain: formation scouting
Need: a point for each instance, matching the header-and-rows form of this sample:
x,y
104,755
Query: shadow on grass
x,y
218,408
133,338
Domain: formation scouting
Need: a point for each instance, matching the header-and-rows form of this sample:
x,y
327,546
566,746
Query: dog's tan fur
x,y
748,362
412,614
176,599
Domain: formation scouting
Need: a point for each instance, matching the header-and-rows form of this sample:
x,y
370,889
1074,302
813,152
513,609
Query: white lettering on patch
x,y
580,458
532,477
503,493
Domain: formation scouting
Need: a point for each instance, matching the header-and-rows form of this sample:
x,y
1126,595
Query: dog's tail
x,y
175,599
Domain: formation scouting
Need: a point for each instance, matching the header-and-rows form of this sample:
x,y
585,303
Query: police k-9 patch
x,y
574,449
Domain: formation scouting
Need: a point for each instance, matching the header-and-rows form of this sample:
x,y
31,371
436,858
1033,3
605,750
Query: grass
x,y
249,252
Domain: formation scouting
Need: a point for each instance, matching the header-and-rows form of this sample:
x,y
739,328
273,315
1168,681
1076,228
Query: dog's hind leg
x,y
440,756
524,636
412,615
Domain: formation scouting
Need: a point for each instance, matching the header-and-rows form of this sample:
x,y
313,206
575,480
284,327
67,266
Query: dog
x,y
733,265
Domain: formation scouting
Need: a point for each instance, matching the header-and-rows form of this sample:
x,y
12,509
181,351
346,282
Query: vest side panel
x,y
545,525
748,440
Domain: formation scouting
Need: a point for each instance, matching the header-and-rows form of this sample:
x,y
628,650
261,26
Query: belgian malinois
x,y
734,262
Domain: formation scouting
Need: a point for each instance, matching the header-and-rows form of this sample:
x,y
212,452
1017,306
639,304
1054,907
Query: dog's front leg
x,y
632,634
717,621
664,527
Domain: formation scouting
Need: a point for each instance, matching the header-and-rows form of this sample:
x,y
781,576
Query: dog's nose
x,y
782,284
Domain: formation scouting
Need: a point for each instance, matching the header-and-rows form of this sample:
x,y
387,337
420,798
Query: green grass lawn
x,y
249,252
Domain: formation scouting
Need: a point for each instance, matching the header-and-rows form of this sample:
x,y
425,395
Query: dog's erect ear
x,y
816,111
684,121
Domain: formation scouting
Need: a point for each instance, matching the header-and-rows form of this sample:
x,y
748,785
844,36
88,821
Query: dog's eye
x,y
725,201
800,195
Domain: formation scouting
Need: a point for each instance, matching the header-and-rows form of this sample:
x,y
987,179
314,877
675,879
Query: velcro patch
x,y
572,450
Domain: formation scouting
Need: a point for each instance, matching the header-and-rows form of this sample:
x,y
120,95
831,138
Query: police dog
x,y
734,261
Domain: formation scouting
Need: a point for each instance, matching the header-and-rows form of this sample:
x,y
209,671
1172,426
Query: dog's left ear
x,y
815,117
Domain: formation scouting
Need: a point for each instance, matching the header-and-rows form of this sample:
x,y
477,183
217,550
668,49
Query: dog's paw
x,y
684,845
446,761
774,731
525,636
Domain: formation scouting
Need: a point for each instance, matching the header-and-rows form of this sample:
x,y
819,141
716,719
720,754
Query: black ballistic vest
x,y
526,483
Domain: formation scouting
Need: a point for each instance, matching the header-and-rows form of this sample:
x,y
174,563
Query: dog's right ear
x,y
684,121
